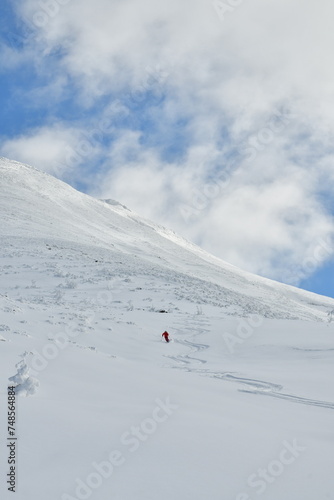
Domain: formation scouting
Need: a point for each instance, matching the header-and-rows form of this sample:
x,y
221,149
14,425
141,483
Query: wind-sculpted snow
x,y
24,384
113,411
36,205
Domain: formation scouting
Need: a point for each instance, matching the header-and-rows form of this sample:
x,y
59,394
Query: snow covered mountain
x,y
36,205
238,404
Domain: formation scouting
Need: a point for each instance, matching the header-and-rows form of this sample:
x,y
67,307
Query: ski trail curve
x,y
292,398
253,386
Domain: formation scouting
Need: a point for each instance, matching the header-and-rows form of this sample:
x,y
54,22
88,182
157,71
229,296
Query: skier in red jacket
x,y
165,335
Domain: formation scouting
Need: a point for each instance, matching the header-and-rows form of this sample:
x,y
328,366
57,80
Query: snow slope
x,y
238,406
36,204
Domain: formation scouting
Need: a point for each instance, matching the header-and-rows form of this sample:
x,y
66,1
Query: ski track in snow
x,y
256,387
98,275
193,326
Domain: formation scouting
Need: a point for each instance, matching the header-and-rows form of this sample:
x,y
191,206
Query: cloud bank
x,y
214,118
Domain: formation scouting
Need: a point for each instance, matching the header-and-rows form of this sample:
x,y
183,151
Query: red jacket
x,y
165,335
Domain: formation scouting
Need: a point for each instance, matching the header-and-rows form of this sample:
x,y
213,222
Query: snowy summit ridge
x,y
36,206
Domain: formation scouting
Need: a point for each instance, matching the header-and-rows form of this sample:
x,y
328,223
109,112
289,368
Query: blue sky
x,y
321,281
218,123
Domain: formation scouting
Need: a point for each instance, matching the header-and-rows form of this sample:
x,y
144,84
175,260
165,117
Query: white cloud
x,y
226,81
264,216
58,149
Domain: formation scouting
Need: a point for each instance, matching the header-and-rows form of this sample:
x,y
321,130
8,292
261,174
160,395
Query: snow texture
x,y
24,384
239,405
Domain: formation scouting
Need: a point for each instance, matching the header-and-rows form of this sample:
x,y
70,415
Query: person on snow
x,y
165,335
